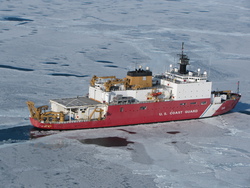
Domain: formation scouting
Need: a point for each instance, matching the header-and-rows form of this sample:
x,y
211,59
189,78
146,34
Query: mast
x,y
238,87
184,61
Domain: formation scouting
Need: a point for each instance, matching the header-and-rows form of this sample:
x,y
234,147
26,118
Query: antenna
x,y
209,66
182,49
238,87
136,64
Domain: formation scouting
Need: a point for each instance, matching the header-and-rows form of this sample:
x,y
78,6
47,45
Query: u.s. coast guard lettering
x,y
178,112
191,111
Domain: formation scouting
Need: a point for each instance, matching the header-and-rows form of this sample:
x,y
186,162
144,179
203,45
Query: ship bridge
x,y
174,76
187,84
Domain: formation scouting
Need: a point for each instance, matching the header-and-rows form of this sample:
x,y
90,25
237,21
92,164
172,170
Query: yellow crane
x,y
95,78
96,110
111,82
40,114
36,112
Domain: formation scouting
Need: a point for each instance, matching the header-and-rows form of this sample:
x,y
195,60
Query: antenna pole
x,y
182,49
238,87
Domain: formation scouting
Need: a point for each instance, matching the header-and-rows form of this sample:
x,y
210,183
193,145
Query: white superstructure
x,y
140,85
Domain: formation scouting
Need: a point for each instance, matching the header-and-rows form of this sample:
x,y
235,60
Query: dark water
x,y
111,66
50,63
245,112
107,141
16,19
15,68
173,132
102,61
16,134
67,75
24,133
107,63
20,134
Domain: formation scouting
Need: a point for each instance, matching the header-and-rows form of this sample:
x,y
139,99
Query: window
x,y
203,103
193,103
121,109
143,108
183,104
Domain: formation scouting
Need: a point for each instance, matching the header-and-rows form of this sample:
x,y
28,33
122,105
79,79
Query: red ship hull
x,y
152,112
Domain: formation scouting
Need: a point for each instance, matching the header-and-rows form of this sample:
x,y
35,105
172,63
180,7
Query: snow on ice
x,y
51,48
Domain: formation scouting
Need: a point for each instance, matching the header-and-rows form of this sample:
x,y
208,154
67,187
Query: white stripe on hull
x,y
211,109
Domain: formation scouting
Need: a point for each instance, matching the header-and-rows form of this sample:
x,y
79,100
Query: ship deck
x,y
75,102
